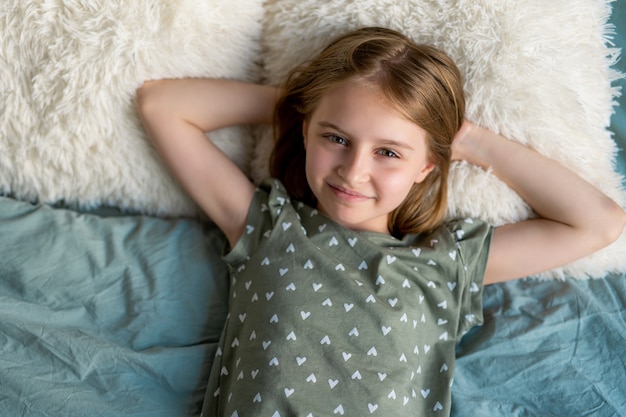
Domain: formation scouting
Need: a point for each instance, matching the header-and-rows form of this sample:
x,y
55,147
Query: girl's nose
x,y
355,167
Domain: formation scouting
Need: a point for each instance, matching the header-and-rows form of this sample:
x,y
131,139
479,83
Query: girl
x,y
348,291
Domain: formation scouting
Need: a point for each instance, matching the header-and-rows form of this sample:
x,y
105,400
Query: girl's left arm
x,y
575,218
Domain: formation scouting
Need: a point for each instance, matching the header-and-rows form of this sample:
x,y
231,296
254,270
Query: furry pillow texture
x,y
537,72
69,131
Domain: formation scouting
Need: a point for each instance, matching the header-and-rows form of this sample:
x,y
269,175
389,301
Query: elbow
x,y
612,223
620,223
146,98
151,108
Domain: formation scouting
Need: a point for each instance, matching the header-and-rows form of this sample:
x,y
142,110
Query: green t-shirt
x,y
327,321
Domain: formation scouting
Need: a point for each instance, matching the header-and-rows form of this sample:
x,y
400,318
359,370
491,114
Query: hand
x,y
466,142
459,138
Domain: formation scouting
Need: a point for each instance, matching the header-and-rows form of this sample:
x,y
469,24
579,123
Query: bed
x,y
111,306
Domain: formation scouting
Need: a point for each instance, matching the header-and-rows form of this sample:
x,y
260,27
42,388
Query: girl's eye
x,y
388,153
336,139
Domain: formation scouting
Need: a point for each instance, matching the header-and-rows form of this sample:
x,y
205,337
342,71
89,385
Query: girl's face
x,y
362,156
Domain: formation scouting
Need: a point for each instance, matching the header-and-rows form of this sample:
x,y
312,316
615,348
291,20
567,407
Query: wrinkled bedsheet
x,y
106,316
546,349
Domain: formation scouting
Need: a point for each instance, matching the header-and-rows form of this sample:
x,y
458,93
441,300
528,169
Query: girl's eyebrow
x,y
334,127
382,141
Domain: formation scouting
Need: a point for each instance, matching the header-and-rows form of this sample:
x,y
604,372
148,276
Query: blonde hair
x,y
422,82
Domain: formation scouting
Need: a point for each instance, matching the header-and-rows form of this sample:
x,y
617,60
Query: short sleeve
x,y
473,240
267,205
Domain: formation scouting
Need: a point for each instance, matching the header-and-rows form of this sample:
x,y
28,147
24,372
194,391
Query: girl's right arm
x,y
177,113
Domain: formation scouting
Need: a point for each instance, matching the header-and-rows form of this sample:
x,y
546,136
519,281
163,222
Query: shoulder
x,y
269,201
273,196
468,230
468,235
460,245
472,239
271,211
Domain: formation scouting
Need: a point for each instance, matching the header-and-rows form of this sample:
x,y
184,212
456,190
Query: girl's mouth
x,y
347,194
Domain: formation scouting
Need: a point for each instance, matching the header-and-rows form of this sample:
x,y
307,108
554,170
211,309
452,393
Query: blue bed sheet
x,y
546,349
106,316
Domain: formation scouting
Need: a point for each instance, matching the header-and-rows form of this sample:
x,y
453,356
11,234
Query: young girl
x,y
348,291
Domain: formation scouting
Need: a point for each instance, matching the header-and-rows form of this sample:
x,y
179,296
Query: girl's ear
x,y
426,169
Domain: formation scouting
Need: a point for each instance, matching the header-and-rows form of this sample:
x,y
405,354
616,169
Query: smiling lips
x,y
347,195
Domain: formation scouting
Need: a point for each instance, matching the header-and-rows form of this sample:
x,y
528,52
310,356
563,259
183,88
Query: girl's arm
x,y
177,113
575,218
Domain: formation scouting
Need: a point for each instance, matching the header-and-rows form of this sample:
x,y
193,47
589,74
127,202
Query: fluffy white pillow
x,y
535,71
69,129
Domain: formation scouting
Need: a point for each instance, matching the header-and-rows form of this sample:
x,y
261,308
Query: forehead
x,y
362,110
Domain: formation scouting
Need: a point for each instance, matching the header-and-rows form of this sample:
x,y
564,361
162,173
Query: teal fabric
x,y
552,348
106,316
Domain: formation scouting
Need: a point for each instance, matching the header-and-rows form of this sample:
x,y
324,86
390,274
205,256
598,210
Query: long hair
x,y
421,82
